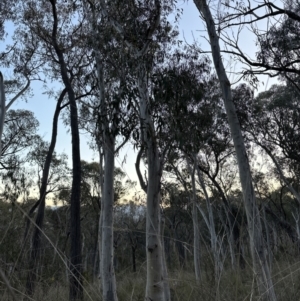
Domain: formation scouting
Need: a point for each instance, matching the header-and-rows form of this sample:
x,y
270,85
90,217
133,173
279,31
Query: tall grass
x,y
233,285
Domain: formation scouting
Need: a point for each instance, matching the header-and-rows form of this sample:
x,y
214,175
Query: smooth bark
x,y
109,287
2,109
167,291
258,250
107,259
107,142
76,288
211,228
155,274
100,222
197,261
155,288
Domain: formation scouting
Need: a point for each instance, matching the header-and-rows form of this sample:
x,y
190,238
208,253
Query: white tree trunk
x,y
101,207
108,135
167,291
229,230
109,287
258,251
155,275
197,260
2,109
107,263
211,228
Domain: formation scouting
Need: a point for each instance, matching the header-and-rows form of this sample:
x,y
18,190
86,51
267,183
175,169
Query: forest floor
x,y
232,285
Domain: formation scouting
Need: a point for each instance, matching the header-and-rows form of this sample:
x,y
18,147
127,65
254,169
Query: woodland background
x,y
215,213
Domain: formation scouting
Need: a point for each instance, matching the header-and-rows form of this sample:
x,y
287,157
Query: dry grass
x,y
233,285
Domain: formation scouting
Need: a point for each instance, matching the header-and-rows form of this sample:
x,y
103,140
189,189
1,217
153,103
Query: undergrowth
x,y
232,285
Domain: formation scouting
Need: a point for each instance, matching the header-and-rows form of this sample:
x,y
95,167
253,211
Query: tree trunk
x,y
195,226
107,262
232,227
267,231
211,228
76,288
133,251
155,275
2,109
101,207
167,291
39,221
109,287
258,251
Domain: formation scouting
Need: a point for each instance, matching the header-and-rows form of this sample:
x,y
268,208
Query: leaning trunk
x,y
39,221
258,251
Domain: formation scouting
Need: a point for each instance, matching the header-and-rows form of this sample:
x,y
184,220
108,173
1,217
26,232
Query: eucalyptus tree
x,y
44,155
62,56
113,121
190,97
145,32
271,121
257,246
180,86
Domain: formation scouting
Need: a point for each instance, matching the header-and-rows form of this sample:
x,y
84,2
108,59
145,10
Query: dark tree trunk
x,y
37,232
133,250
76,288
